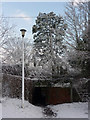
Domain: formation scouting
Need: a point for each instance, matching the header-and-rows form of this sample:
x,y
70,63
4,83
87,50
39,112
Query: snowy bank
x,y
11,108
71,110
0,111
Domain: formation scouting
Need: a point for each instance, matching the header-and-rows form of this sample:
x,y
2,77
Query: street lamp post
x,y
23,34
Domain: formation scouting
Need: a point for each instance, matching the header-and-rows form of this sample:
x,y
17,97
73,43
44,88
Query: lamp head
x,y
23,32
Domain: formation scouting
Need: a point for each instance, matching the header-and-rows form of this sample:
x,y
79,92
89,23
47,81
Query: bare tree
x,y
11,44
6,30
76,16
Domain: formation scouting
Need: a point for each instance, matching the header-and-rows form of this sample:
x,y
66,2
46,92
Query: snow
x,y
11,108
0,111
62,85
73,110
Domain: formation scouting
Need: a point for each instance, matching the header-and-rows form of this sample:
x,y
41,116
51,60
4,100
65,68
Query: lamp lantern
x,y
23,32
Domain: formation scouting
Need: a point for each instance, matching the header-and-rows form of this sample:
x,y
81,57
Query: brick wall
x,y
12,87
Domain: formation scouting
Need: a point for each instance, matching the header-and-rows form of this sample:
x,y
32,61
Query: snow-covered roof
x,y
62,85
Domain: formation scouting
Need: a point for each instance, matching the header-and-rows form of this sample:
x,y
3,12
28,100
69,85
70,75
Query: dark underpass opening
x,y
43,96
38,97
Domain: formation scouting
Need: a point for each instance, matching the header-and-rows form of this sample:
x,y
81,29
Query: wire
x,y
26,17
17,17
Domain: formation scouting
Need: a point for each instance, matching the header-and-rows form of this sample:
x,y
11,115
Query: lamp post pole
x,y
22,72
23,34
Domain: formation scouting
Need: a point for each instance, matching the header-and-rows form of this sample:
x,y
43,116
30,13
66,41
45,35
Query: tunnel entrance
x,y
43,96
39,97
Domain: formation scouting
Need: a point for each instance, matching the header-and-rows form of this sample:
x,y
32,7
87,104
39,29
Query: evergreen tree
x,y
48,34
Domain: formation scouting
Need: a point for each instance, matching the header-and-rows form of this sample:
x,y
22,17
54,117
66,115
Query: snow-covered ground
x,y
0,110
11,108
75,110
